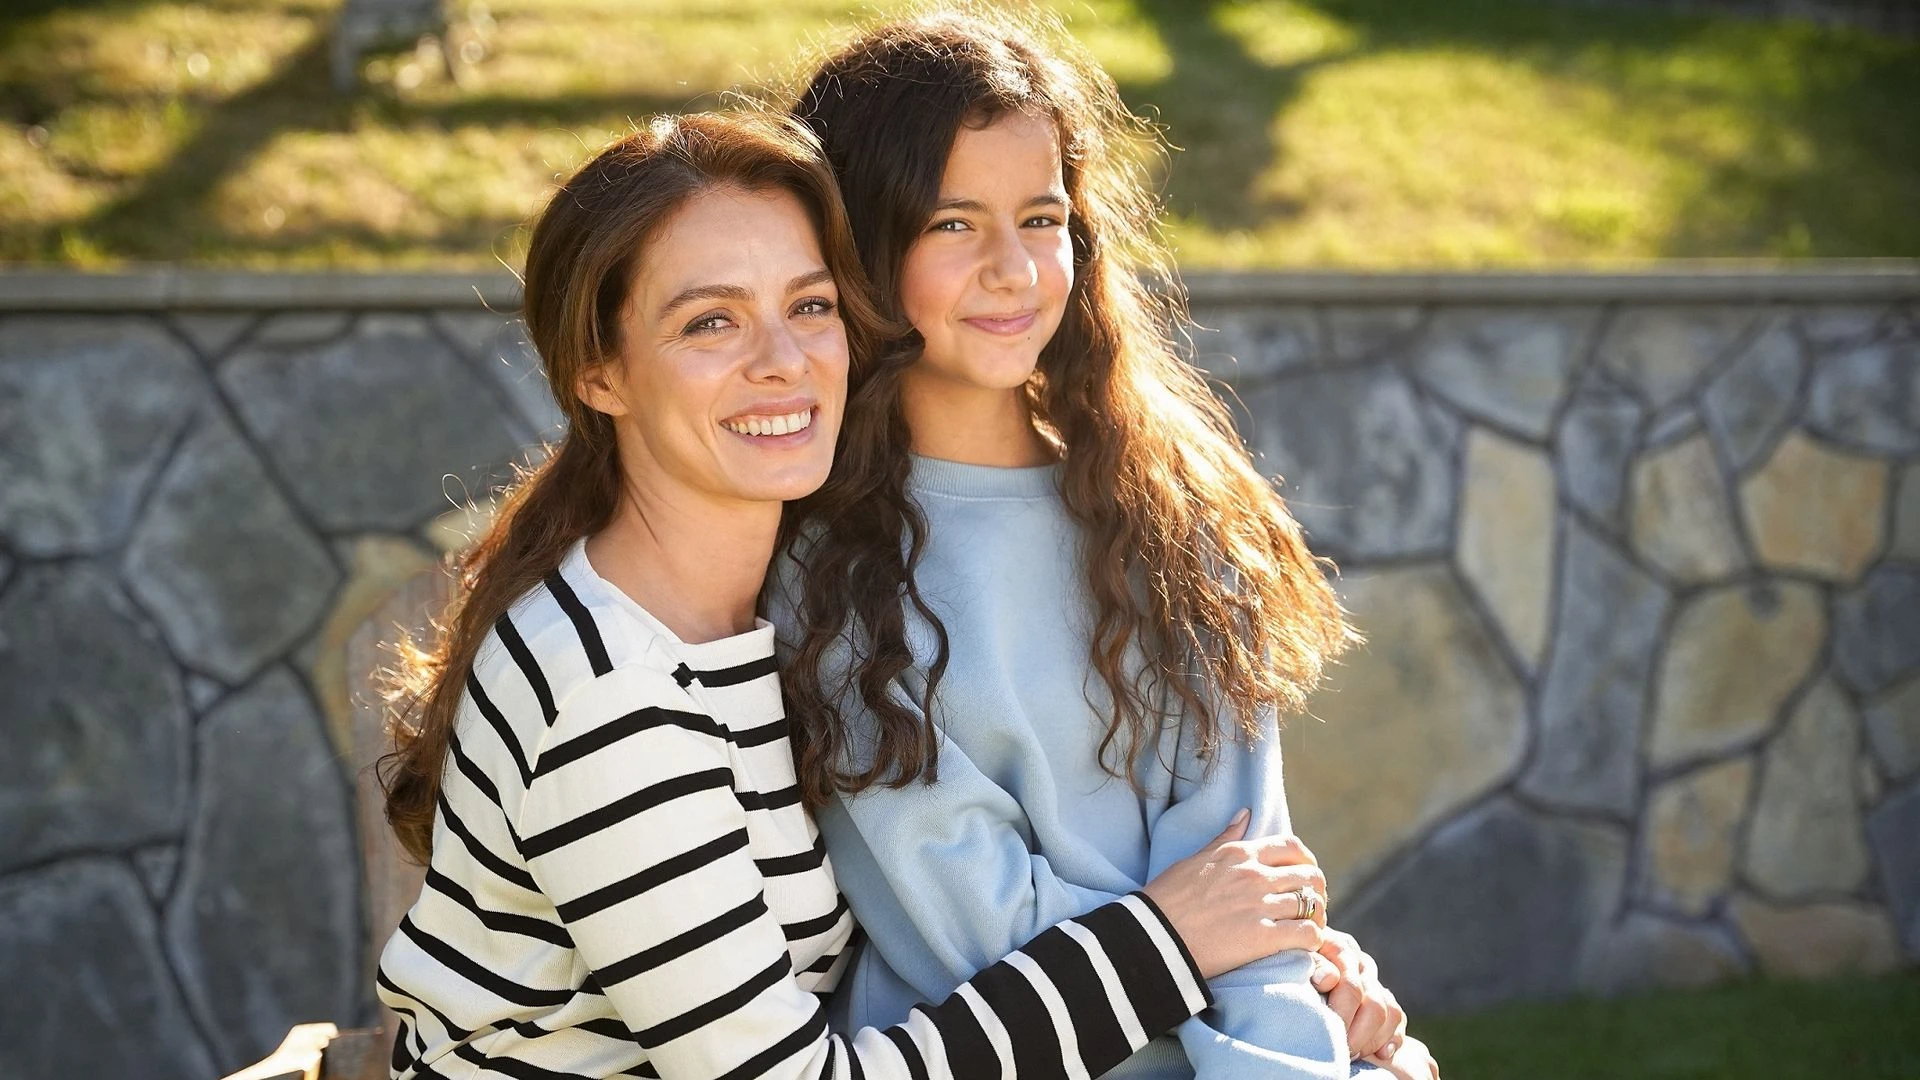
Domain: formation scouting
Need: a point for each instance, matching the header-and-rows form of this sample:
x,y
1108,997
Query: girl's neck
x,y
694,563
971,425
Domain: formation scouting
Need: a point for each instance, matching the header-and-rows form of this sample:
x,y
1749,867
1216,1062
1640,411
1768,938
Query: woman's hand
x,y
1236,901
1376,1024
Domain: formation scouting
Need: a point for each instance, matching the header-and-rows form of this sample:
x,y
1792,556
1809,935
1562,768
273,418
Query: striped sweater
x,y
624,883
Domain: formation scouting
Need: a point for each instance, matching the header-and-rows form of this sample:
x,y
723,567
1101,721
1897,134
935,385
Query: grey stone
x,y
1646,951
87,993
506,356
1893,730
1804,840
1247,344
1671,426
1369,466
88,410
1370,332
1594,692
1906,516
1836,327
1876,627
213,333
1497,904
157,866
371,423
264,925
202,691
1869,397
1664,351
304,328
1598,437
222,562
1508,368
1892,830
97,755
1750,403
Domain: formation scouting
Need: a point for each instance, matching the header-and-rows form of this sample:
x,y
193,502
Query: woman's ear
x,y
597,390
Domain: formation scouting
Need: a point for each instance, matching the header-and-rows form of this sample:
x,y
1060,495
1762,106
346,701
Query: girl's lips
x,y
1008,325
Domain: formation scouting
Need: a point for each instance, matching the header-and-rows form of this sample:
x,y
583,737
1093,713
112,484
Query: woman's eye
x,y
949,225
706,324
815,306
1043,221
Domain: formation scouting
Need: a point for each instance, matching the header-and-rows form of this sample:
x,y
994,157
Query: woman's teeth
x,y
770,425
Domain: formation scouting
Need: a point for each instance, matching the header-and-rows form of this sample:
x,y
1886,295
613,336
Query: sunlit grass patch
x,y
1372,133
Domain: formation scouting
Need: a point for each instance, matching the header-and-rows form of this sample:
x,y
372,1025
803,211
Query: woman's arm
x,y
632,827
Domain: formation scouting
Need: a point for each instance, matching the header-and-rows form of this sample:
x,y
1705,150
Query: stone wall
x,y
1638,556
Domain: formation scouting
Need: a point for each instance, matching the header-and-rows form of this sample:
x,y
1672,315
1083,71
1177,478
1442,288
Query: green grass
x,y
1859,1029
1367,133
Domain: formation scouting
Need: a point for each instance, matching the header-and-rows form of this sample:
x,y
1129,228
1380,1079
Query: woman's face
x,y
986,283
732,370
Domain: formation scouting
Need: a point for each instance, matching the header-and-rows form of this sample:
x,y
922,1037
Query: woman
x,y
621,879
1074,607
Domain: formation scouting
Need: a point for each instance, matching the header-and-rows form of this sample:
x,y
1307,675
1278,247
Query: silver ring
x,y
1309,902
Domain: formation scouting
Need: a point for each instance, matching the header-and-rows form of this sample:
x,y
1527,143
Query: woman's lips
x,y
1003,325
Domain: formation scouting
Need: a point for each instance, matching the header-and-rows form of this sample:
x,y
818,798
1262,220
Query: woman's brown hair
x,y
581,261
1191,557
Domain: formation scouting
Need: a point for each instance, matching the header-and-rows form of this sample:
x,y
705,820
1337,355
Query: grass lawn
x,y
1859,1029
1368,133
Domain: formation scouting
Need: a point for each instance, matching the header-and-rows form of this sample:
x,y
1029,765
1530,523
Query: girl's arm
x,y
959,884
632,826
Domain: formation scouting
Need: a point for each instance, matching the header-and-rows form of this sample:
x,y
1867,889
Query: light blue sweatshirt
x,y
1024,828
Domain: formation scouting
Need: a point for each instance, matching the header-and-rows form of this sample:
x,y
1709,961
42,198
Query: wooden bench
x,y
321,1051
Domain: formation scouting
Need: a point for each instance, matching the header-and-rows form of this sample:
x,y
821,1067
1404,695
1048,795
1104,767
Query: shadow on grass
x,y
1218,105
175,200
1817,157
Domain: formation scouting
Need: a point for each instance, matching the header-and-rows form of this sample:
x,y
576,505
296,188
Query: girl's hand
x,y
1410,1061
1236,901
1376,1023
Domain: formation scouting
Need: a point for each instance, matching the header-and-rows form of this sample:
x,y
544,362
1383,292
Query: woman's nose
x,y
778,355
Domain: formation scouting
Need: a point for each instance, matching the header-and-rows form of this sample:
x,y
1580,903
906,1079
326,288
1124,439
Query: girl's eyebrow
x,y
975,206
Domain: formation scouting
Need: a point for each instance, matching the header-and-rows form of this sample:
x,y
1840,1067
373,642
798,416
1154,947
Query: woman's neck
x,y
971,425
695,564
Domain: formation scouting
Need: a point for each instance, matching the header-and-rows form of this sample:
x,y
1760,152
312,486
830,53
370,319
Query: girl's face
x,y
986,284
732,371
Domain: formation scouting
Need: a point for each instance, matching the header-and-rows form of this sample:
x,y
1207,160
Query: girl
x,y
1043,576
621,879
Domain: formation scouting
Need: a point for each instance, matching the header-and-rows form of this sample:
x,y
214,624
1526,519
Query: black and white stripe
x,y
624,883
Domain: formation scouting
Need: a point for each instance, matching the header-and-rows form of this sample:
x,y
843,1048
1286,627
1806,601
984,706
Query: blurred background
x,y
1584,334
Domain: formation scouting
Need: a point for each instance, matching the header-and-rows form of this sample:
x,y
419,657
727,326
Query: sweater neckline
x,y
955,479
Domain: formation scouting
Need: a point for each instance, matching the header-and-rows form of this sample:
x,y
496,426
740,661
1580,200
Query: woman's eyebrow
x,y
705,292
809,279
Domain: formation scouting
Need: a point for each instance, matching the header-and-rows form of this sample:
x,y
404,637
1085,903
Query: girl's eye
x,y
949,225
817,305
1043,221
707,324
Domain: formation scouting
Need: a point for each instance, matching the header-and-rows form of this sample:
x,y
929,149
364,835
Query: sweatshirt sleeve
x,y
632,827
1268,1020
969,834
